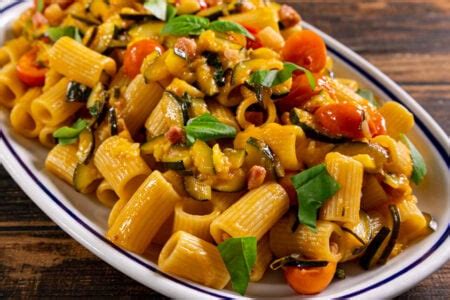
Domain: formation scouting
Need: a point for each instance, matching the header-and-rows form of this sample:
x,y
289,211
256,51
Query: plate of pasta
x,y
221,149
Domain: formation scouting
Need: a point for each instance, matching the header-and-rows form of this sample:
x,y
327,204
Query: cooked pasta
x,y
235,133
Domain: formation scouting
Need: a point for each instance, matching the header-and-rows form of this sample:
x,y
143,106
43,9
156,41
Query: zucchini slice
x,y
104,36
97,101
86,145
112,120
172,110
235,182
235,157
368,259
197,189
259,153
305,120
212,13
377,152
77,92
177,158
394,235
202,157
149,147
362,230
137,16
86,178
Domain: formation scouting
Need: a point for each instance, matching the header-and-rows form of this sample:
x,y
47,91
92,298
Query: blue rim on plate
x,y
433,139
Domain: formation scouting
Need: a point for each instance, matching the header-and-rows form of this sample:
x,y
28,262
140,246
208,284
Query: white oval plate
x,y
85,220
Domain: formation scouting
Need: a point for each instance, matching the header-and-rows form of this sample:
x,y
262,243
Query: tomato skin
x,y
135,54
309,281
377,124
340,119
28,71
307,49
300,93
252,44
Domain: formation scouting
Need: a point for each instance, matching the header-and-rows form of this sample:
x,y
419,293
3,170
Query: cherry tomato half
x,y
310,281
252,44
135,54
307,49
340,119
377,124
28,71
300,93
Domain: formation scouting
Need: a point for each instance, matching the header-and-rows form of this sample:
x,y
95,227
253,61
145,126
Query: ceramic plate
x,y
85,219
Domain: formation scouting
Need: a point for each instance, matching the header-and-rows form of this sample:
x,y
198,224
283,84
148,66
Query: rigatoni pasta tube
x,y
195,217
13,50
106,194
80,63
11,88
187,256
62,161
412,220
149,207
120,163
263,259
51,108
223,200
344,205
140,98
46,136
252,215
398,119
21,118
323,244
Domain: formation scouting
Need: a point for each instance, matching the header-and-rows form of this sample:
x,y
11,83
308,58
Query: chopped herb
x,y
185,25
55,33
40,6
69,135
171,12
207,127
271,78
239,256
369,96
227,26
419,166
313,186
340,273
158,8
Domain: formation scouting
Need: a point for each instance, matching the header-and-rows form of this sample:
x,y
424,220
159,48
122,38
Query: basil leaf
x,y
207,127
239,256
313,186
158,8
368,95
40,6
69,135
271,78
185,25
227,26
171,12
55,33
419,166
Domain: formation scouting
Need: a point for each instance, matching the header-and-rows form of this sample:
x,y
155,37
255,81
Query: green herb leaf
x,y
271,78
185,25
69,135
55,33
171,12
369,96
239,256
158,8
40,5
313,186
419,166
227,26
207,127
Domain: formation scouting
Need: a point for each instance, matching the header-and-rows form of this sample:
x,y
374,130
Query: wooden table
x,y
408,40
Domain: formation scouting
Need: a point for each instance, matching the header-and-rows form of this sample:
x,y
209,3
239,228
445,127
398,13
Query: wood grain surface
x,y
408,40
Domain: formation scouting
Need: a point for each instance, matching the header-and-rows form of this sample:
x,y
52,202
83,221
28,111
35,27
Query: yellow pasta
x,y
398,119
46,136
115,211
240,113
12,50
223,200
345,204
51,78
62,161
373,194
223,114
106,194
80,63
263,259
142,216
325,243
21,118
399,160
11,88
188,256
120,163
140,100
412,219
51,108
252,215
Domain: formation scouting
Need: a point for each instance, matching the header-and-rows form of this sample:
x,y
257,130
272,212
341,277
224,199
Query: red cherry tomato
x,y
300,93
340,119
309,281
377,124
307,49
135,54
28,71
252,44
